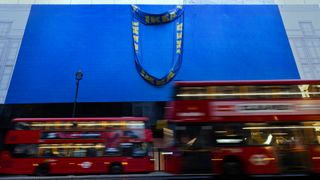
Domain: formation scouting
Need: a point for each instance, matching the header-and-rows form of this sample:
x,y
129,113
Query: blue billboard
x,y
220,42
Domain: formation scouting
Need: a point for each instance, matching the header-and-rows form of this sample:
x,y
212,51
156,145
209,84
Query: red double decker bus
x,y
245,127
43,146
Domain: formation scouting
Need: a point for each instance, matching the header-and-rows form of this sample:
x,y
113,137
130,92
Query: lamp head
x,y
79,75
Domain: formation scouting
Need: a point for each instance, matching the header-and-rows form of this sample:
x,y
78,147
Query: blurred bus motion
x,y
245,127
45,146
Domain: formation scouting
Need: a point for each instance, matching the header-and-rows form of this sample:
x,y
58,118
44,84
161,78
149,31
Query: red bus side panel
x,y
15,137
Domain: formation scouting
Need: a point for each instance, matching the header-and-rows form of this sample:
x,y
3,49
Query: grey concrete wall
x,y
13,19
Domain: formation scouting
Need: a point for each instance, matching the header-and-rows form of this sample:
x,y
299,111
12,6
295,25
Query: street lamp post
x,y
79,76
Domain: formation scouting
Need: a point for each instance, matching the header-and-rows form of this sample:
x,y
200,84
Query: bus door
x,y
194,142
291,149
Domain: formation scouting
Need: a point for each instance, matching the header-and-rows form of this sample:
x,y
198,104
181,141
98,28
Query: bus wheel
x,y
42,170
115,168
232,169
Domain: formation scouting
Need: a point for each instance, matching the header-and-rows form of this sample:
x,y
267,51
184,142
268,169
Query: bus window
x,y
62,152
314,90
191,93
229,134
226,92
259,92
25,150
140,149
256,135
127,149
91,152
312,132
204,137
293,134
46,151
79,152
135,125
22,126
112,151
274,92
194,136
289,91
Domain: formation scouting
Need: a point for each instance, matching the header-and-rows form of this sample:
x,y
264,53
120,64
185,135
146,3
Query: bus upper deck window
x,y
22,126
226,92
314,91
191,93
